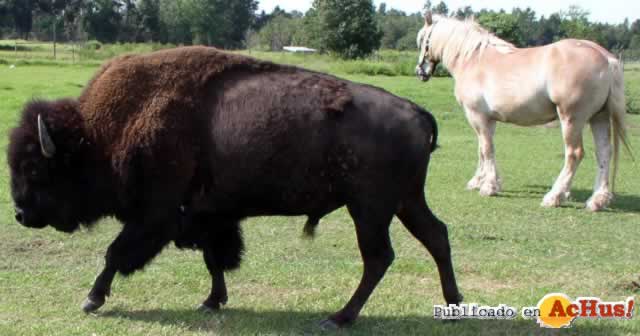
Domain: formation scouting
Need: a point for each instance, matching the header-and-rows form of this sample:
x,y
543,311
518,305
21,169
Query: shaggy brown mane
x,y
157,96
154,88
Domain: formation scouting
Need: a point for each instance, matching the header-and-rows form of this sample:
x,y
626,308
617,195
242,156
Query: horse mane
x,y
453,39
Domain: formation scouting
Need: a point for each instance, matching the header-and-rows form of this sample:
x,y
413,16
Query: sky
x,y
611,11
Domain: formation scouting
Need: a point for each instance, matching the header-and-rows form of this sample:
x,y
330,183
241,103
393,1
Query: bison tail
x,y
433,125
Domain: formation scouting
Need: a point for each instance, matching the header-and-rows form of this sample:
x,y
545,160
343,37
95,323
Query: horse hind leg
x,y
574,152
601,129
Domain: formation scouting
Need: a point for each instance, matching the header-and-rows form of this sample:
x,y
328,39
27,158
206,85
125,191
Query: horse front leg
x,y
476,180
574,152
486,177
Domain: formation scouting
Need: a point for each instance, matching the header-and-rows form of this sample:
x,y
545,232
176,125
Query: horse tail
x,y
617,109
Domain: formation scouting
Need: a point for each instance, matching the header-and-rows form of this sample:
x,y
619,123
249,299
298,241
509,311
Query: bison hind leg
x,y
433,234
313,219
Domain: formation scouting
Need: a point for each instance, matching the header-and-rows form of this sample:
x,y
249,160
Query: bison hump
x,y
334,94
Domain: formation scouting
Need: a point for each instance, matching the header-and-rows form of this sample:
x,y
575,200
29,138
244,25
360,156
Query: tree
x,y
635,43
279,32
551,30
441,9
349,27
382,9
102,20
150,22
221,23
242,16
22,12
463,13
427,6
130,26
392,27
502,24
175,19
5,19
575,23
527,25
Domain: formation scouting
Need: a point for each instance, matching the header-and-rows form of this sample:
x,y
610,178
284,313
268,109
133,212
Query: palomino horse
x,y
575,81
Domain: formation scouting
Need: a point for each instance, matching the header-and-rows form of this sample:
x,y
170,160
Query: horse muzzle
x,y
423,75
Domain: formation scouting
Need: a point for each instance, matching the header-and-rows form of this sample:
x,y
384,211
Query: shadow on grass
x,y
621,202
234,321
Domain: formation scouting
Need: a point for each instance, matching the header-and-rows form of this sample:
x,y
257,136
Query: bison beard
x,y
182,145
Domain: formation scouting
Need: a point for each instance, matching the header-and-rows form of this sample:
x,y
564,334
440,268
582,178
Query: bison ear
x,y
428,18
46,143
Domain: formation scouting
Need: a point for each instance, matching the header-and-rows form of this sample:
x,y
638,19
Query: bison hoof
x,y
329,325
90,305
209,308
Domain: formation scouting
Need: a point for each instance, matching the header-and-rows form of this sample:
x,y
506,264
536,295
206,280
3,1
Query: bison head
x,y
45,154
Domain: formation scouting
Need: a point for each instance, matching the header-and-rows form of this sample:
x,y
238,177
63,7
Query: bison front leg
x,y
130,251
218,296
222,251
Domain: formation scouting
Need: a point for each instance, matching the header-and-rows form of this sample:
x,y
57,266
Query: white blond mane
x,y
453,40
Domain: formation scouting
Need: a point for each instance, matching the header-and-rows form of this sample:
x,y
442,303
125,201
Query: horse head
x,y
423,41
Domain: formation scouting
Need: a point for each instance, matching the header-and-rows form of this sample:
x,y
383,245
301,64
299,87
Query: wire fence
x,y
16,50
30,50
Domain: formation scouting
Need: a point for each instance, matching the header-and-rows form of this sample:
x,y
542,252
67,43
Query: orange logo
x,y
557,310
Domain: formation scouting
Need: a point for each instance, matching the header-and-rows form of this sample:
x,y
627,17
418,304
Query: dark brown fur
x,y
181,145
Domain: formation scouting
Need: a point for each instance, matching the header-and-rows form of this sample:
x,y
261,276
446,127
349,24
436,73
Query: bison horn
x,y
46,143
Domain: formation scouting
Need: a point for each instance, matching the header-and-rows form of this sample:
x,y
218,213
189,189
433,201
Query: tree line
x,y
349,28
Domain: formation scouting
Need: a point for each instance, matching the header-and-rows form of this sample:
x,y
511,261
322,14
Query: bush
x,y
92,45
5,47
94,50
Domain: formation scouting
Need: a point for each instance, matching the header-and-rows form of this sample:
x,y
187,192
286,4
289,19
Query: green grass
x,y
506,249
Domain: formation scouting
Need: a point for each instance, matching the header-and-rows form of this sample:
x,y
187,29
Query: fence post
x,y
54,36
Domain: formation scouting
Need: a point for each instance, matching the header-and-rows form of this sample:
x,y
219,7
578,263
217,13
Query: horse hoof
x,y
554,200
328,325
473,185
91,305
549,204
489,191
599,201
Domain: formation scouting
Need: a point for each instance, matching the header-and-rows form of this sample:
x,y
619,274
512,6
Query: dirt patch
x,y
629,286
31,245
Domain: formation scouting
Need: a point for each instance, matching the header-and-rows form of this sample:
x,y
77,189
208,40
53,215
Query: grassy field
x,y
506,249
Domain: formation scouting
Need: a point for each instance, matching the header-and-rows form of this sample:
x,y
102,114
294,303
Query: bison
x,y
181,145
